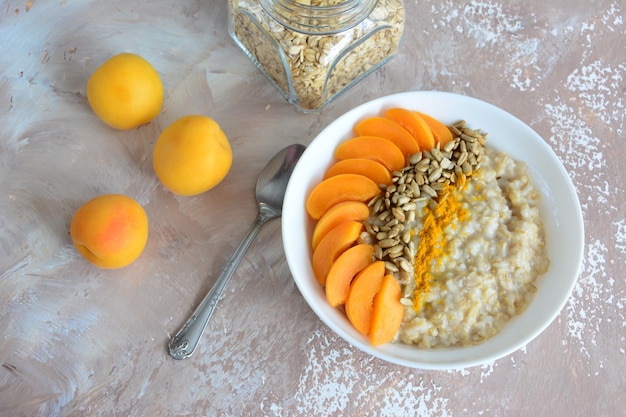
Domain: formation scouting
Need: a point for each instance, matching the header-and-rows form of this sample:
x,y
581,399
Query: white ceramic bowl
x,y
560,209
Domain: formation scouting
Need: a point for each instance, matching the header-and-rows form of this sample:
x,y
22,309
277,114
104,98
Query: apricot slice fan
x,y
347,269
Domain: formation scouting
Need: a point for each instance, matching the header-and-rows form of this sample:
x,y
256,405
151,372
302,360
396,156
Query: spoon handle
x,y
184,343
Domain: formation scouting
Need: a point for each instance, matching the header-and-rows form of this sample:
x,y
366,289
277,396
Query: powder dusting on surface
x,y
332,372
596,300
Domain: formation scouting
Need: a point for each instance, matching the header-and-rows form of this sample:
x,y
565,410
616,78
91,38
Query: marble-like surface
x,y
79,341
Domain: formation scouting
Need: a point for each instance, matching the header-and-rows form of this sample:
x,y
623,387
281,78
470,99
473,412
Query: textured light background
x,y
78,341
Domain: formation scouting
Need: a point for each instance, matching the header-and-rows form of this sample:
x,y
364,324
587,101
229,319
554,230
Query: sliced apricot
x,y
375,171
346,266
338,188
387,312
337,214
360,301
372,147
414,124
440,131
332,245
388,129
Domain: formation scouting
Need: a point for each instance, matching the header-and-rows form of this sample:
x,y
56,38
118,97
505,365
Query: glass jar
x,y
313,50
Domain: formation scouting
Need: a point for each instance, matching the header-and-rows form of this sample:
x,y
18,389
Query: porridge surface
x,y
490,254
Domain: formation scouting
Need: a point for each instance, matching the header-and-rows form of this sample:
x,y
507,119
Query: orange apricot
x,y
375,171
387,312
110,231
346,266
388,129
337,214
360,301
332,245
414,124
372,147
339,188
440,131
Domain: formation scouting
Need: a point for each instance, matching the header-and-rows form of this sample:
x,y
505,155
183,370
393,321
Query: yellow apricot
x,y
337,214
387,312
110,231
192,155
440,131
125,91
360,297
342,272
369,168
412,122
388,129
372,147
337,189
332,245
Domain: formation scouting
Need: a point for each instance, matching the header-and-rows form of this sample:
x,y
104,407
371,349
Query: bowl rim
x,y
560,211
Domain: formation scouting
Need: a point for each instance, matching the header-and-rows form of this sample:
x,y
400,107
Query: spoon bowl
x,y
270,192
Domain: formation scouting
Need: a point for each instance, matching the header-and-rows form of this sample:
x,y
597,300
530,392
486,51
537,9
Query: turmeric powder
x,y
431,243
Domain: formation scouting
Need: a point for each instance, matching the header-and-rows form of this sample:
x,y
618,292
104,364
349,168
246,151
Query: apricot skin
x,y
110,231
192,155
337,189
125,91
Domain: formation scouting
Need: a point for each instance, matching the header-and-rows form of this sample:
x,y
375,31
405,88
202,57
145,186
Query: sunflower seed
x,y
374,200
387,243
394,251
378,252
462,158
448,147
446,163
436,153
415,158
467,137
391,267
404,265
434,176
428,190
384,215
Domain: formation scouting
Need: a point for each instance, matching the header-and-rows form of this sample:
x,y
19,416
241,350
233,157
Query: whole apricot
x,y
110,231
125,91
192,155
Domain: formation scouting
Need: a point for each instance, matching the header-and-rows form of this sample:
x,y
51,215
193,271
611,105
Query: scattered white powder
x,y
335,373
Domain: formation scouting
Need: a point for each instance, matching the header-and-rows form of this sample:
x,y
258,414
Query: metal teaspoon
x,y
270,192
